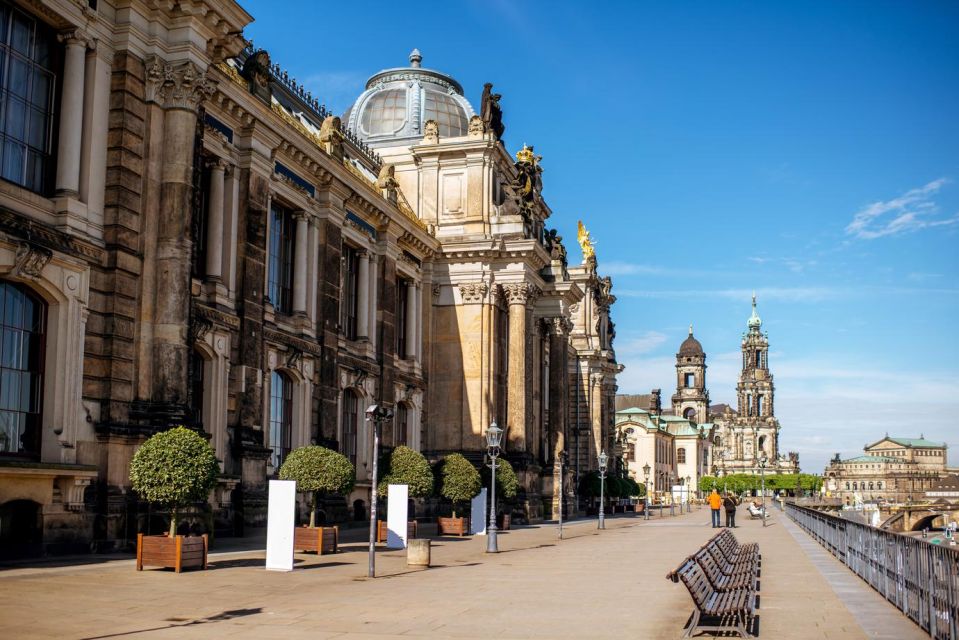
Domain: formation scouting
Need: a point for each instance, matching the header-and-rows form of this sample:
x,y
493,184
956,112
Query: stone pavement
x,y
593,584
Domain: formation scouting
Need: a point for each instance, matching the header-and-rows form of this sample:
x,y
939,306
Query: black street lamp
x,y
603,459
646,476
563,461
375,415
762,476
493,436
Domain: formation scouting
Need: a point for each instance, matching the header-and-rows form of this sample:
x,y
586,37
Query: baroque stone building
x,y
894,469
188,236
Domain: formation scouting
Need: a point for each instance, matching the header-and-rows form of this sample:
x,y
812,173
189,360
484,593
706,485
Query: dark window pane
x,y
19,75
21,37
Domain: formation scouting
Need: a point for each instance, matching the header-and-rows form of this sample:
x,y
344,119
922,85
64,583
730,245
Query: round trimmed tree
x,y
408,467
174,469
318,469
459,480
506,482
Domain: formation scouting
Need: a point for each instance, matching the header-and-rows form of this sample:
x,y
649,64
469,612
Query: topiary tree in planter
x,y
408,467
316,469
459,480
174,469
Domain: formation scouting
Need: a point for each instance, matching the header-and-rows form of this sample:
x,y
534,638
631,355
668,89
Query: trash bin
x,y
418,552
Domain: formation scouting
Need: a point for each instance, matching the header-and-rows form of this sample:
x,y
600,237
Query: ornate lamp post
x,y
563,460
375,415
689,504
762,476
672,503
603,459
646,476
493,436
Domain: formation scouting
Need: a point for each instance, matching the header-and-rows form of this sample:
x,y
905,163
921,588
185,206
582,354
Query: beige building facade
x,y
892,469
187,236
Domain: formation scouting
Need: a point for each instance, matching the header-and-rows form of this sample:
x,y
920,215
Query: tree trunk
x,y
313,511
173,522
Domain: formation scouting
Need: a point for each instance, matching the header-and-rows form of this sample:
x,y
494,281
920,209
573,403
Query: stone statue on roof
x,y
490,111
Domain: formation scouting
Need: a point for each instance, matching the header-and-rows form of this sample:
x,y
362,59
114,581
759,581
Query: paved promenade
x,y
593,584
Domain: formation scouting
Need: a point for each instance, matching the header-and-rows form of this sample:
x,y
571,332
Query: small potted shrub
x,y
507,486
459,483
173,469
316,469
407,467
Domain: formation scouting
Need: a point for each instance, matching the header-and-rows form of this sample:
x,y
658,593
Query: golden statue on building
x,y
585,243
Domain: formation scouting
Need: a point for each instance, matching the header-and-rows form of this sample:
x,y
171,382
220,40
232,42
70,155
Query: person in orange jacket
x,y
715,504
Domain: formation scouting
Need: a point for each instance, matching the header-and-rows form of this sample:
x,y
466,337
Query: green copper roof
x,y
874,459
921,443
754,322
632,410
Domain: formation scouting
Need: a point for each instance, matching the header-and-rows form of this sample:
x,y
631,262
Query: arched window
x,y
282,230
689,413
22,342
847,486
879,485
281,417
401,433
690,380
349,419
855,486
871,486
681,455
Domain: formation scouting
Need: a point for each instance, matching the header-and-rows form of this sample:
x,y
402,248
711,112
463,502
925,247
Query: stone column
x,y
363,297
418,315
178,89
559,330
214,222
96,112
518,296
299,263
232,240
410,321
71,113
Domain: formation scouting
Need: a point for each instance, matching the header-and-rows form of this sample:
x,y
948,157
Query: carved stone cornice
x,y
473,292
40,235
281,337
521,292
220,318
177,86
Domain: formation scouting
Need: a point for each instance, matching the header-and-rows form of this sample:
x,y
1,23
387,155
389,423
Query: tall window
x,y
27,84
401,437
681,455
199,230
281,417
349,418
22,326
759,359
402,295
759,405
350,297
281,258
690,380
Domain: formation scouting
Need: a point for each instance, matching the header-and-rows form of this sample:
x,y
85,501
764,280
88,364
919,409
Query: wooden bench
x,y
722,579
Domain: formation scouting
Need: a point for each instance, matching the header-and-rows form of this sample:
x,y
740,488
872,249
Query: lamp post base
x,y
602,521
491,545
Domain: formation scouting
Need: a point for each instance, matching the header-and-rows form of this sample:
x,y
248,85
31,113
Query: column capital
x,y
521,293
177,86
300,214
559,326
473,292
74,37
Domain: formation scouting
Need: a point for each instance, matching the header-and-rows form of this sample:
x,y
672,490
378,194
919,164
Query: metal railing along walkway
x,y
919,578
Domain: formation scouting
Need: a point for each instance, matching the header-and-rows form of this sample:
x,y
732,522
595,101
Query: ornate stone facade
x,y
259,273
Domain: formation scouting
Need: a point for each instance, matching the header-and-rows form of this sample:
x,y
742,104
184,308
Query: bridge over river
x,y
592,584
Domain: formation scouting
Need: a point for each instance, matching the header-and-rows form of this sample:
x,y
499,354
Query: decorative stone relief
x,y
181,86
31,260
559,325
437,289
521,292
431,132
473,292
476,127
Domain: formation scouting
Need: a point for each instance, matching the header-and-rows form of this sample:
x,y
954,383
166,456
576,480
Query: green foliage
x,y
614,487
589,485
506,482
459,480
408,467
740,482
632,489
319,469
174,468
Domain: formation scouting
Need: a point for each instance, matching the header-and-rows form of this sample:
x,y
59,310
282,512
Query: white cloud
x,y
644,343
911,211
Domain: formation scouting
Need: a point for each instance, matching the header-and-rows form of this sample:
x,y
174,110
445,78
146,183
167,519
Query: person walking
x,y
730,502
715,503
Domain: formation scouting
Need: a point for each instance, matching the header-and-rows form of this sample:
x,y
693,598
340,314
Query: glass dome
x,y
398,102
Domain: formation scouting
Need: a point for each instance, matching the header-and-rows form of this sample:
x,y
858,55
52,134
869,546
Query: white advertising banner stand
x,y
280,522
397,507
478,514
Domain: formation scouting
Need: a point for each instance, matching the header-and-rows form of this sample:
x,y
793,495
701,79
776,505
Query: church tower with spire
x,y
755,389
691,399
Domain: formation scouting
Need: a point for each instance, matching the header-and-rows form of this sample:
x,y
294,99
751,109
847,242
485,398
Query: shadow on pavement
x,y
220,617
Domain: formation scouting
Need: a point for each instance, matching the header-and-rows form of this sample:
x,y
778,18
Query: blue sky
x,y
809,151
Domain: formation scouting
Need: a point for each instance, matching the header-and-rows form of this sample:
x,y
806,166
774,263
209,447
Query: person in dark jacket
x,y
730,502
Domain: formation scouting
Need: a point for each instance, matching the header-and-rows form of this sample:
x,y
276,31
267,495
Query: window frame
x,y
282,427
280,265
35,338
350,298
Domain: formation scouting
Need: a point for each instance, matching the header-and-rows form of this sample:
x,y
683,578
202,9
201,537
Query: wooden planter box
x,y
320,540
179,552
452,526
381,530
